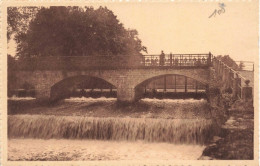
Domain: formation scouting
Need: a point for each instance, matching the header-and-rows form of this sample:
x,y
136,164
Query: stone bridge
x,y
57,84
54,77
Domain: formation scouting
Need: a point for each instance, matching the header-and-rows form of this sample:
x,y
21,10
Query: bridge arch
x,y
64,87
141,87
51,84
160,76
201,75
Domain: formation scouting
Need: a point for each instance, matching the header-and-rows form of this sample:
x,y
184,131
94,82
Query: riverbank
x,y
235,140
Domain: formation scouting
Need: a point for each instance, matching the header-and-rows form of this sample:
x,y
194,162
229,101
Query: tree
x,y
18,19
76,31
11,77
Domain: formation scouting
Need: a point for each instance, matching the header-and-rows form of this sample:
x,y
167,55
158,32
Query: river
x,y
99,129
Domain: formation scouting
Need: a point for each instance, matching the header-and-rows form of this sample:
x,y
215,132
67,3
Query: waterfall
x,y
179,131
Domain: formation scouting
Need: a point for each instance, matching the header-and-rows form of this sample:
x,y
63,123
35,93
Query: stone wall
x,y
232,81
69,63
48,84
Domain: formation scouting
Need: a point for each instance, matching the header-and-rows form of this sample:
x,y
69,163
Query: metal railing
x,y
245,65
230,77
177,60
114,62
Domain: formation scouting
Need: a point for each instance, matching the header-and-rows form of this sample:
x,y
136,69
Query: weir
x,y
178,131
172,121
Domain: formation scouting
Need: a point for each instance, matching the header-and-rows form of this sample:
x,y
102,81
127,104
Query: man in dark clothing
x,y
162,57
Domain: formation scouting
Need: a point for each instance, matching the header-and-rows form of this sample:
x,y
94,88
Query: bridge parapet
x,y
241,88
192,60
115,62
78,62
245,65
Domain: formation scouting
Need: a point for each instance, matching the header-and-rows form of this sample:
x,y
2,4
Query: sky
x,y
185,27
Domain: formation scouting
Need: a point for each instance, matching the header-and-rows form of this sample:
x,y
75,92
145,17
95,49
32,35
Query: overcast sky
x,y
185,27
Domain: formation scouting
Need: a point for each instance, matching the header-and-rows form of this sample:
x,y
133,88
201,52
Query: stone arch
x,y
139,88
125,80
159,76
22,89
200,75
62,88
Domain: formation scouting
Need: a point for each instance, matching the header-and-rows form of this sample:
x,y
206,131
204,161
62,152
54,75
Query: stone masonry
x,y
54,84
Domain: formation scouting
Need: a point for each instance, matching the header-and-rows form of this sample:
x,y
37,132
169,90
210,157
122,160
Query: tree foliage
x,y
12,80
76,31
18,19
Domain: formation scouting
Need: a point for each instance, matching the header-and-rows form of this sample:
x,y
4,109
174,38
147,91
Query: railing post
x,y
180,60
209,59
143,59
170,59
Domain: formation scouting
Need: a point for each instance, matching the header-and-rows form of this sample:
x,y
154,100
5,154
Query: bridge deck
x,y
115,62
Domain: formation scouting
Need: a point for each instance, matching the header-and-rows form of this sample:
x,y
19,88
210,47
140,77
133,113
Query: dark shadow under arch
x,y
160,76
140,89
63,88
25,89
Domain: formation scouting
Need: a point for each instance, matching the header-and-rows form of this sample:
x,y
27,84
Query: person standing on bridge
x,y
162,57
156,62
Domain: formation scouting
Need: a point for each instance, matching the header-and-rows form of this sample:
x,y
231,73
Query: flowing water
x,y
159,124
74,127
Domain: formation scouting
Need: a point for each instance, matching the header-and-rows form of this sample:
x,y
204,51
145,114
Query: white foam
x,y
21,98
191,100
89,99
